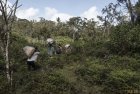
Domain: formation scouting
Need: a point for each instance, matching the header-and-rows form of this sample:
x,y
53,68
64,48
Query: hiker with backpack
x,y
32,53
50,46
67,48
58,49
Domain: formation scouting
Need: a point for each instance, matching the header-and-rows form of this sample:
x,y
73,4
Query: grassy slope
x,y
68,70
72,74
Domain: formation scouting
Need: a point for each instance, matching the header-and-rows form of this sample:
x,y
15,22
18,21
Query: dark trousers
x,y
31,64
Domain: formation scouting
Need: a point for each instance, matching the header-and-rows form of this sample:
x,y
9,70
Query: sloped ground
x,y
75,73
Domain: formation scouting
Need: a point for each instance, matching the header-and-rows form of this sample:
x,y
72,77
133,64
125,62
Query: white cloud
x,y
91,13
49,12
30,13
52,14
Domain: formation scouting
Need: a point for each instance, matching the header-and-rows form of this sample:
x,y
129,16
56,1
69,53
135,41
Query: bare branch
x,y
5,5
19,6
11,8
15,8
3,12
11,12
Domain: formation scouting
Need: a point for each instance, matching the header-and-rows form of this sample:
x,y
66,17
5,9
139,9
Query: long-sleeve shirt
x,y
34,56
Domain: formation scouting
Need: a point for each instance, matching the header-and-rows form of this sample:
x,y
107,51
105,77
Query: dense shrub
x,y
4,86
135,39
125,39
119,39
94,74
114,75
121,80
43,83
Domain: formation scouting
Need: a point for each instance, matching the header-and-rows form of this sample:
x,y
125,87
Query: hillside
x,y
87,70
104,57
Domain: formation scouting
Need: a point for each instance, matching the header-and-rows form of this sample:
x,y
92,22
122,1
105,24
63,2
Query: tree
x,y
7,19
75,24
129,7
137,9
90,28
110,17
58,20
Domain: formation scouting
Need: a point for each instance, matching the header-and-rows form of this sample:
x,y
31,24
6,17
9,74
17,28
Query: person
x,y
67,48
50,46
32,59
58,49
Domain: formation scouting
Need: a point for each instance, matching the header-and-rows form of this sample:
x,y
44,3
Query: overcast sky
x,y
51,9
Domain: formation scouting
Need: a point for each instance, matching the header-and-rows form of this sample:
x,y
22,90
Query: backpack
x,y
50,44
28,50
58,50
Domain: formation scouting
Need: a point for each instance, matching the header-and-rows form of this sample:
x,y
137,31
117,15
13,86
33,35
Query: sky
x,y
65,9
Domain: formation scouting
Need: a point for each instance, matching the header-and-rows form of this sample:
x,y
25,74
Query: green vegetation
x,y
104,59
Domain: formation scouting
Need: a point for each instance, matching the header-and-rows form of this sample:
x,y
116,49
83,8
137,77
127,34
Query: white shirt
x,y
34,56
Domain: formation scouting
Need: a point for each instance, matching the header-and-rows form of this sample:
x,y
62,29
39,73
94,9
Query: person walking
x,y
50,46
32,59
58,49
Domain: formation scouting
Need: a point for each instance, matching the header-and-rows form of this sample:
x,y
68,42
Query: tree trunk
x,y
7,61
130,10
8,18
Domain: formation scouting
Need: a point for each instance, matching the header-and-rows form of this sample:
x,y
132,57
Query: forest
x,y
105,55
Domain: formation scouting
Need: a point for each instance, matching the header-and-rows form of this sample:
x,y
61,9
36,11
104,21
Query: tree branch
x,y
3,12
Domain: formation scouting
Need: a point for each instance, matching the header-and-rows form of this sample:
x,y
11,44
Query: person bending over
x,y
32,59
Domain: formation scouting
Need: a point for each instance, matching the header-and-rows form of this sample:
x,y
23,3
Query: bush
x,y
4,86
134,39
114,76
93,74
124,62
120,80
43,83
119,39
125,39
